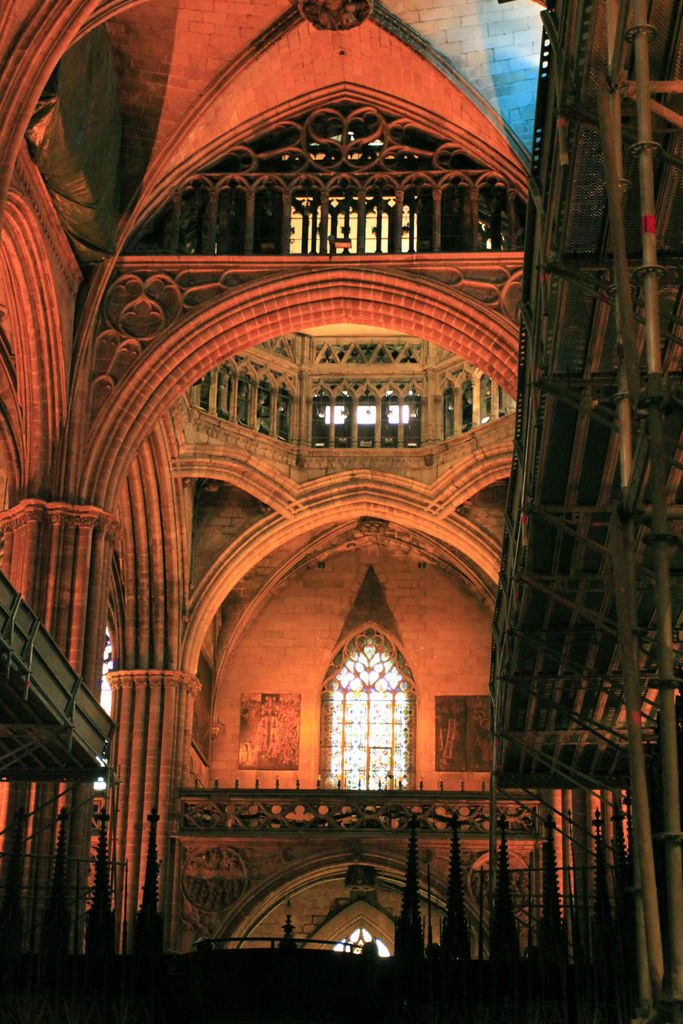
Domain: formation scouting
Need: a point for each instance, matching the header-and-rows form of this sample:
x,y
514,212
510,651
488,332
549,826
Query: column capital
x,y
124,679
32,510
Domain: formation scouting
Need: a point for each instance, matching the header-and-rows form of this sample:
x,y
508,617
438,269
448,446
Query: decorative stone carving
x,y
335,14
141,305
345,811
214,879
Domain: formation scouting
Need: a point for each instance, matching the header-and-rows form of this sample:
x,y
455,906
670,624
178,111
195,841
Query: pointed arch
x,y
267,309
34,331
360,914
368,711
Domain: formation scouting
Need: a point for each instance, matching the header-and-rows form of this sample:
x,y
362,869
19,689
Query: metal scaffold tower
x,y
586,670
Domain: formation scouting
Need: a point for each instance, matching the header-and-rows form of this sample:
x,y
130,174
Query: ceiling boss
x,y
335,14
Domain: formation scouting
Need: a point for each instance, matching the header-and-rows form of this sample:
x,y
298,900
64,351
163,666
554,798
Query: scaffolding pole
x,y
648,926
660,537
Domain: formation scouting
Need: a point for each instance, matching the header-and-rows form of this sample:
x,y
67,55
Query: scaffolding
x,y
585,670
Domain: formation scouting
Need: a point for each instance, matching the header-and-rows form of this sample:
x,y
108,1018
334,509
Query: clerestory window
x,y
368,716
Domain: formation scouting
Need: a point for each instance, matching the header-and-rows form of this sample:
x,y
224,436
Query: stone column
x,y
457,408
400,432
232,406
324,202
151,758
286,221
495,406
398,223
209,239
302,412
354,420
360,242
213,392
436,220
249,224
471,218
476,400
58,556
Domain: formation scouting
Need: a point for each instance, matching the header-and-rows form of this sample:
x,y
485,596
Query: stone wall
x,y
494,47
443,633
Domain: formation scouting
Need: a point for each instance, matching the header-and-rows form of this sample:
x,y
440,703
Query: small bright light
x,y
366,414
392,415
358,938
99,785
485,419
340,413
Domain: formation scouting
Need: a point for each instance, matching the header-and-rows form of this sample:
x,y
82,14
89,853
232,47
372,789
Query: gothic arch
x,y
478,552
360,914
229,100
151,561
469,474
300,874
264,310
399,732
335,541
36,340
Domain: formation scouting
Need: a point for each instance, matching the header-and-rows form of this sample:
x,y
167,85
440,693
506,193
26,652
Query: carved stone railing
x,y
235,812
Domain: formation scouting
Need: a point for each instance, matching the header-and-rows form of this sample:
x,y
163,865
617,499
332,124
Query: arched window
x,y
357,940
448,412
368,716
107,667
320,431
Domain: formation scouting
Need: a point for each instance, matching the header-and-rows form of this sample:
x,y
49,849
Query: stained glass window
x,y
368,717
359,938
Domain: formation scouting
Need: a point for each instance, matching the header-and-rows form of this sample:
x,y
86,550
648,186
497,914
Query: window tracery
x,y
344,179
368,716
351,393
357,940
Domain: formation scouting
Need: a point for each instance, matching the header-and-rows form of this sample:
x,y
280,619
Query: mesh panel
x,y
589,199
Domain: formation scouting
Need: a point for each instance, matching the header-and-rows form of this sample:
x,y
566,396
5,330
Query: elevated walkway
x,y
51,726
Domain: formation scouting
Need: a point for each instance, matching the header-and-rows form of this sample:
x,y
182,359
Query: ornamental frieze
x,y
329,811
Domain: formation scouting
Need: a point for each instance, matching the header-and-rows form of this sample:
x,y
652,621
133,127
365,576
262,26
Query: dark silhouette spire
x,y
99,936
287,941
409,941
148,940
11,917
455,935
504,942
54,937
552,946
623,869
603,911
624,905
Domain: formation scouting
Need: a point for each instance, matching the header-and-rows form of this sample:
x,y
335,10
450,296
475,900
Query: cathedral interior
x,y
341,483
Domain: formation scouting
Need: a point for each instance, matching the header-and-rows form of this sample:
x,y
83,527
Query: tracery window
x,y
341,180
368,716
350,393
359,938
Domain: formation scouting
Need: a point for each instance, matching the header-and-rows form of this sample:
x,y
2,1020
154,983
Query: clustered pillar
x,y
153,709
